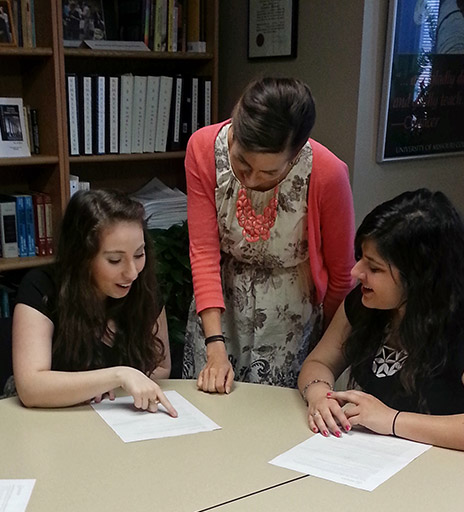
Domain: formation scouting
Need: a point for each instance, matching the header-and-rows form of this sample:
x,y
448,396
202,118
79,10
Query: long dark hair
x,y
422,235
274,115
82,318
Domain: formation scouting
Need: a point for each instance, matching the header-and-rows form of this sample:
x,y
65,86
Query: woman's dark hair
x,y
422,235
82,318
274,115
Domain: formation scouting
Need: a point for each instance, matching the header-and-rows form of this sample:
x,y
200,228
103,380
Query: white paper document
x,y
133,425
359,459
15,494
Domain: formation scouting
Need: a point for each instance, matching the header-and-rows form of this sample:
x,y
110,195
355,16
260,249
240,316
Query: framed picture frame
x,y
7,24
82,20
272,28
422,105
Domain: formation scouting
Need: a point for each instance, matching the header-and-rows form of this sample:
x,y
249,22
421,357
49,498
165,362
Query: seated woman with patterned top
x,y
401,330
91,323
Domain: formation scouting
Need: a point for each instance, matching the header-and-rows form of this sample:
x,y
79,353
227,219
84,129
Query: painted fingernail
x,y
347,428
329,393
315,429
338,434
325,433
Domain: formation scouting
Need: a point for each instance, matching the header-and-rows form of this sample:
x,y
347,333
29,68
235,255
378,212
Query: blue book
x,y
21,225
30,226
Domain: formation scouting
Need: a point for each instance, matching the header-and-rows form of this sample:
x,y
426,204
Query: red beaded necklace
x,y
255,226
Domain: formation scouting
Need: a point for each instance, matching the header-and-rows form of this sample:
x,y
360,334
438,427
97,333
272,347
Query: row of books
x,y
163,25
134,114
26,227
19,128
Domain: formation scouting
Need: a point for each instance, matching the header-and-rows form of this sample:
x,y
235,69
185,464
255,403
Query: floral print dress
x,y
269,322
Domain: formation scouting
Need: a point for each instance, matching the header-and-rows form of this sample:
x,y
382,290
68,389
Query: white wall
x,y
341,46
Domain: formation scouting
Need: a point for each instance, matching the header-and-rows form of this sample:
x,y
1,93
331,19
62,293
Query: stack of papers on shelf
x,y
164,206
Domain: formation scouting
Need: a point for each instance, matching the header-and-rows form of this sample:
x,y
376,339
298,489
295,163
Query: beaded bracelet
x,y
394,422
315,381
214,337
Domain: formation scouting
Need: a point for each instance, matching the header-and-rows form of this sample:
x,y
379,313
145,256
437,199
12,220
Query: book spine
x,y
39,224
9,236
193,24
151,114
207,104
98,114
112,132
86,121
4,303
27,126
125,134
164,108
26,23
33,31
195,87
21,226
48,224
138,113
175,115
160,34
73,119
30,230
35,131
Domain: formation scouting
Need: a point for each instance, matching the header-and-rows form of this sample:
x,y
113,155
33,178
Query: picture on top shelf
x,y
7,34
82,20
13,142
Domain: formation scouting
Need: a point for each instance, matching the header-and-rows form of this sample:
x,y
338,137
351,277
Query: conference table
x,y
80,464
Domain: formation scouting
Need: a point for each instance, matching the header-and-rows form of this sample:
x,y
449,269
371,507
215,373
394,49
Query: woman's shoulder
x,y
206,135
326,165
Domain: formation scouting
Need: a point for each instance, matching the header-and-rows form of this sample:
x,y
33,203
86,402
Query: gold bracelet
x,y
315,381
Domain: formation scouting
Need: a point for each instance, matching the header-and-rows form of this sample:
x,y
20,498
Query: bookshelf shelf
x,y
131,157
143,55
23,263
26,52
30,160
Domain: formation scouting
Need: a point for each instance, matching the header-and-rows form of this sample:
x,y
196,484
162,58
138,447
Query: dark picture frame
x,y
272,28
422,106
83,20
7,24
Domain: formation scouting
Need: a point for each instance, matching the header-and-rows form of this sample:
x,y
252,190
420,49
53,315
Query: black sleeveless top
x,y
443,393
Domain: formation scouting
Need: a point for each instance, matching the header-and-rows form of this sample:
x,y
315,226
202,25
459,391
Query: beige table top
x,y
81,465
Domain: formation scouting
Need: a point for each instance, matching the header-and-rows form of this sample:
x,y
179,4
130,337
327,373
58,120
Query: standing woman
x,y
271,228
91,322
401,331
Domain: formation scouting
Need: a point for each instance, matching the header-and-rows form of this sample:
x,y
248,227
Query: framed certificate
x,y
272,28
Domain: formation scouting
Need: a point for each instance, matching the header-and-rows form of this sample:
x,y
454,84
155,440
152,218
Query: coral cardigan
x,y
330,224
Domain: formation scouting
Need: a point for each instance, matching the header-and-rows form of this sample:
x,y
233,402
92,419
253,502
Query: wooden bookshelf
x,y
38,76
35,74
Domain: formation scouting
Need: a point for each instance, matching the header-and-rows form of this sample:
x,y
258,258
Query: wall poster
x,y
422,112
